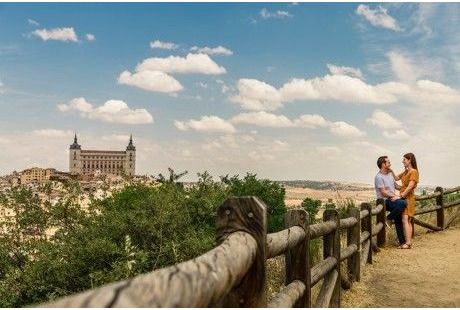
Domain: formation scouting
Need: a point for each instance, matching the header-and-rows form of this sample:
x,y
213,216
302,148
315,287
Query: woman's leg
x,y
407,229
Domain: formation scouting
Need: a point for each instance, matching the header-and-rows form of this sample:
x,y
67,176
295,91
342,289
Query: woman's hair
x,y
412,159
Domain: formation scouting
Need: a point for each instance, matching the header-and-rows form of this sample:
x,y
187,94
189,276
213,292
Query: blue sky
x,y
285,90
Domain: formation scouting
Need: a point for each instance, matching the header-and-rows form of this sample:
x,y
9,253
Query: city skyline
x,y
286,90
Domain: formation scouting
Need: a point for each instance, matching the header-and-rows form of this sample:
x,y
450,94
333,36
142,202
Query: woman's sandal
x,y
405,246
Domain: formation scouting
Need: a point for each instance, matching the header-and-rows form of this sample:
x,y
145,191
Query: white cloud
x,y
266,14
262,119
399,134
342,70
256,95
58,34
219,50
155,81
384,120
192,63
424,93
53,133
311,121
345,130
163,45
402,67
90,37
32,22
112,111
335,87
211,124
2,87
378,17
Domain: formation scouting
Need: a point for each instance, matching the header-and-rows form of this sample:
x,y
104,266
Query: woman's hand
x,y
395,197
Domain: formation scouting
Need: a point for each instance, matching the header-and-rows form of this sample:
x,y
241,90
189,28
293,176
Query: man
x,y
385,186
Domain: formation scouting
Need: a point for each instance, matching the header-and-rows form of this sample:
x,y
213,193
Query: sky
x,y
313,91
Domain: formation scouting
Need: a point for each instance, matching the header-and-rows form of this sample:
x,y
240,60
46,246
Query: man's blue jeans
x,y
396,209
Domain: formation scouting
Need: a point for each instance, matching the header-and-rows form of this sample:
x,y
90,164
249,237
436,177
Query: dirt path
x,y
426,276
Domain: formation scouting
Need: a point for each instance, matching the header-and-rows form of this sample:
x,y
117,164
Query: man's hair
x,y
380,161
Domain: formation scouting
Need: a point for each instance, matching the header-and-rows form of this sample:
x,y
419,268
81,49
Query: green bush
x,y
135,230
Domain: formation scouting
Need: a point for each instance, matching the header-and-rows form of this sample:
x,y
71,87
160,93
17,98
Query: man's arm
x,y
385,193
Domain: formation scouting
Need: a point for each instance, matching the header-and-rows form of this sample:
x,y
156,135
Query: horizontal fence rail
x,y
233,274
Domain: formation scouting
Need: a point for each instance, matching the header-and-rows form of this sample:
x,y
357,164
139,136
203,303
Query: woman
x,y
409,179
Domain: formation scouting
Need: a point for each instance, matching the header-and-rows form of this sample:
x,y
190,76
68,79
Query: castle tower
x,y
75,157
130,159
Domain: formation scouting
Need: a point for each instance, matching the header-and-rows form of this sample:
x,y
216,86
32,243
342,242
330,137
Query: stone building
x,y
36,175
93,162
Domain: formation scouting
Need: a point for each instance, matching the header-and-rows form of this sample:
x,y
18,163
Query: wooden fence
x,y
233,274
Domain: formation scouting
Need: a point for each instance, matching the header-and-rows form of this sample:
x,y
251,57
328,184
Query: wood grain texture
x,y
297,258
426,197
331,248
347,222
348,251
326,294
376,229
321,269
354,238
278,243
381,218
366,249
366,225
451,190
377,209
426,225
364,236
321,229
200,282
440,212
289,295
364,213
247,214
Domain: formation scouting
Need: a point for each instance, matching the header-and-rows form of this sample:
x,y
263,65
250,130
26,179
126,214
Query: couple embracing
x,y
401,206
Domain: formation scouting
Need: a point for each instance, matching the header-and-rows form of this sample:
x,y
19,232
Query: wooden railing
x,y
440,206
233,274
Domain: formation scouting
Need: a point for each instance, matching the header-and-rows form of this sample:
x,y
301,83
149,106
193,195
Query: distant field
x,y
295,195
298,190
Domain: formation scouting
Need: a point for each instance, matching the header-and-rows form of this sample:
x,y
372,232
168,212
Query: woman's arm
x,y
410,187
397,177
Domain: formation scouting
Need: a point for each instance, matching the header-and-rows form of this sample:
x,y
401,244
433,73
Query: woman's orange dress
x,y
406,177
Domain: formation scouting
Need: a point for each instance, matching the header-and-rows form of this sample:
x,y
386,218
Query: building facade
x,y
36,175
92,162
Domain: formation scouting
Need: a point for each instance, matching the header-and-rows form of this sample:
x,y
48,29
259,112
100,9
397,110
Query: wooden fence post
x,y
353,237
440,212
248,214
381,218
297,259
331,247
366,225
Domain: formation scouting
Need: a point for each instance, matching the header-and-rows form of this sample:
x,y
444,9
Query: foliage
x,y
312,207
55,247
270,192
